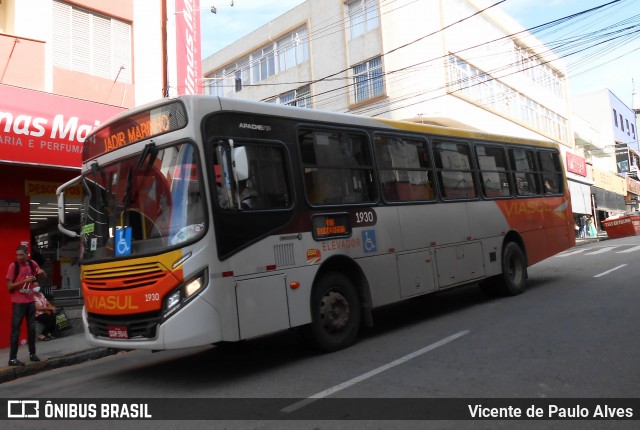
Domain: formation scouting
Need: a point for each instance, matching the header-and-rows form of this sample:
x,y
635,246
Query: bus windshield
x,y
142,204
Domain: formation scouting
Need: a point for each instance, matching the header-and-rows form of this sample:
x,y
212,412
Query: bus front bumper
x,y
196,324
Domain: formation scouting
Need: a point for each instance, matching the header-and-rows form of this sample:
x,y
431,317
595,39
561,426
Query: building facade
x,y
612,154
459,63
66,66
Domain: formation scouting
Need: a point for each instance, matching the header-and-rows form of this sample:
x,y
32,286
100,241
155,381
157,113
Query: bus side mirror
x,y
61,207
241,163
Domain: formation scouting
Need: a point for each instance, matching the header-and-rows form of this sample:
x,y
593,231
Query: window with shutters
x,y
90,43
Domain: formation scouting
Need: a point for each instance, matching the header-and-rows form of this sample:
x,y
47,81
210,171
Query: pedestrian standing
x,y
21,277
591,226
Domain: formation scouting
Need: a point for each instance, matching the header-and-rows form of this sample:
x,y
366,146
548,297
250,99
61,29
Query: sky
x,y
611,65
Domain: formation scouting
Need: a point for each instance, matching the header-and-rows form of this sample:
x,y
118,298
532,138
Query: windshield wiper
x,y
150,151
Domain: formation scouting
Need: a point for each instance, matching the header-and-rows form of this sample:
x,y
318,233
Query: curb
x,y
8,374
580,242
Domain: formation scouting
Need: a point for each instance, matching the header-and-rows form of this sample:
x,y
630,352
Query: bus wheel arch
x,y
339,303
514,261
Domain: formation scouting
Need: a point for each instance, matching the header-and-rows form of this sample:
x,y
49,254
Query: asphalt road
x,y
572,334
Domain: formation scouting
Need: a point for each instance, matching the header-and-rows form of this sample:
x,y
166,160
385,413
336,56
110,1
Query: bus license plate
x,y
118,332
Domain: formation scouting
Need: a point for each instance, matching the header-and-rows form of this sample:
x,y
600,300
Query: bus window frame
x,y
473,168
536,172
504,148
558,174
374,183
425,138
215,141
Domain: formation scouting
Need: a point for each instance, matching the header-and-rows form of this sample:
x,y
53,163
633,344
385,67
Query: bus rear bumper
x,y
197,324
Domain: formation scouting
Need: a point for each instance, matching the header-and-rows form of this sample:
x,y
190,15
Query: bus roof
x,y
199,106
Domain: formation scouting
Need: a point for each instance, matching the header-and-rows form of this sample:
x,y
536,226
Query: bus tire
x,y
514,270
335,313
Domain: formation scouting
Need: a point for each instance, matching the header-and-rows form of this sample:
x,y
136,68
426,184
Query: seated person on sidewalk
x,y
45,315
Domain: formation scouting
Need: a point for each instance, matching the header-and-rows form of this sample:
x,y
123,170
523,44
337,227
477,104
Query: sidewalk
x,y
59,352
583,241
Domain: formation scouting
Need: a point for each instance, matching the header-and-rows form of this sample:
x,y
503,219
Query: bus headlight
x,y
184,293
173,300
193,287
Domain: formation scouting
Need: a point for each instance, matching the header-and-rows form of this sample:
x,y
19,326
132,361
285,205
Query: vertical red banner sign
x,y
188,50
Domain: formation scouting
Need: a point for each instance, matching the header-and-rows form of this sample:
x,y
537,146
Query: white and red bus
x,y
209,220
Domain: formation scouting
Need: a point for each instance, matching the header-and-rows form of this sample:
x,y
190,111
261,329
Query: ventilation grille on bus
x,y
125,277
284,255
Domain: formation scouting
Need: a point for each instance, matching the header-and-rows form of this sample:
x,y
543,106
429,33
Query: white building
x,y
459,63
613,155
434,61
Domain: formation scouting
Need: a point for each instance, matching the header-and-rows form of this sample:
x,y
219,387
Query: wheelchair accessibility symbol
x,y
369,241
123,241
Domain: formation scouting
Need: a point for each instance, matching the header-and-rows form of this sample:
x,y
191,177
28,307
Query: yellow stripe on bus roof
x,y
461,133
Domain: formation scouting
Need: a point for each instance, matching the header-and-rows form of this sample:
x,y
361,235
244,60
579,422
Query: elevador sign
x,y
46,129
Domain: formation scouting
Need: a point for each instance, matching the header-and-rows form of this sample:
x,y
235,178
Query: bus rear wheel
x,y
336,313
514,270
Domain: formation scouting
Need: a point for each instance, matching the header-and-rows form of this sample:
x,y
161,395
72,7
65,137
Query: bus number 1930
x,y
367,217
152,297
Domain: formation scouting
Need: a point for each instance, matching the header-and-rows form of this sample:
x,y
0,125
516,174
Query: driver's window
x,y
265,187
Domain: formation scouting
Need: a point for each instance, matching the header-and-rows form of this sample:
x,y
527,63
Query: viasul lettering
x,y
526,208
110,303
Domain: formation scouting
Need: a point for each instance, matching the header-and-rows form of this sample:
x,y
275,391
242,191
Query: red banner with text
x,y
188,46
46,129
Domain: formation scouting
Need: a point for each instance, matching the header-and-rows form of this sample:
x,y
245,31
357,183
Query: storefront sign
x,y
633,186
42,188
576,164
46,129
622,158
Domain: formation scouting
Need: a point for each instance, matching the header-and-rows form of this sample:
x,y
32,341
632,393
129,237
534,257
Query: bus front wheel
x,y
336,313
514,270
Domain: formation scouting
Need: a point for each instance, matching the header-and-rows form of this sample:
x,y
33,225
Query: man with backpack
x,y
21,278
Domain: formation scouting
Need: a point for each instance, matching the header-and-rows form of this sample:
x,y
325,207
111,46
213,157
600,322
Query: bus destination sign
x,y
329,226
134,128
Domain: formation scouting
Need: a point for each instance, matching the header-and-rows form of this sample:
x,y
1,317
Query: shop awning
x,y
607,200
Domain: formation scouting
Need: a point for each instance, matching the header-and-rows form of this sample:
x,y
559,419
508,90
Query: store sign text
x,y
27,125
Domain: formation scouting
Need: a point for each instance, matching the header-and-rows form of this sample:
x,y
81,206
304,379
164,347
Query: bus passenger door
x,y
262,305
415,271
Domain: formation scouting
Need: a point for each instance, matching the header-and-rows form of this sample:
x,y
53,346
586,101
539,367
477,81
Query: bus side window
x,y
454,167
404,169
337,167
267,185
494,173
551,169
525,171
